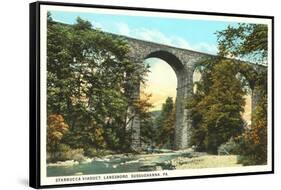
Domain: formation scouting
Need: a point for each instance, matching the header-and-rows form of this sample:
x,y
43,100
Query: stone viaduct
x,y
183,62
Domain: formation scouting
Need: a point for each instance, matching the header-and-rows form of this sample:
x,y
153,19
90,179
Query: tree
x,y
249,41
89,82
147,129
217,106
165,124
56,129
82,24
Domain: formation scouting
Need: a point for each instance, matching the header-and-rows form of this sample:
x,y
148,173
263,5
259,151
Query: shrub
x,y
247,160
91,152
230,147
251,153
76,154
66,153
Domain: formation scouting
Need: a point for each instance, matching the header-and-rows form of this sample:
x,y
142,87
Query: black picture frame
x,y
35,97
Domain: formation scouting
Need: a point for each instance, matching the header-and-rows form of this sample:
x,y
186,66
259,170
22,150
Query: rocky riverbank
x,y
170,160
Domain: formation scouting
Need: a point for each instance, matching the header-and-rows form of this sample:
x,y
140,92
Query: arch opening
x,y
176,123
196,77
157,130
161,82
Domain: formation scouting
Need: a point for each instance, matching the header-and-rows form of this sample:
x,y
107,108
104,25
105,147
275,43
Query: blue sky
x,y
196,35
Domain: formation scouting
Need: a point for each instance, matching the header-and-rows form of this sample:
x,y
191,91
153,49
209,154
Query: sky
x,y
158,85
197,35
190,34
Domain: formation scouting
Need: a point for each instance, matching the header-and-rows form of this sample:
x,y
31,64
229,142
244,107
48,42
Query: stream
x,y
118,164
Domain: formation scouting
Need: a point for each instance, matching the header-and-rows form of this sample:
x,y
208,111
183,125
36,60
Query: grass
x,y
206,161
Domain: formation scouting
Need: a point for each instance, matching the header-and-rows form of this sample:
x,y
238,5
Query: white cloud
x,y
98,25
180,42
156,36
205,47
123,29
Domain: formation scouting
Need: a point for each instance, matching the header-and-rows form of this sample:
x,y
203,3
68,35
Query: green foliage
x,y
217,106
82,24
92,152
64,152
89,83
245,41
218,103
165,124
250,41
148,132
230,147
147,129
111,135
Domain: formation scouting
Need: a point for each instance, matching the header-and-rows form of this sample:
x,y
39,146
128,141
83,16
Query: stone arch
x,y
184,86
252,74
168,57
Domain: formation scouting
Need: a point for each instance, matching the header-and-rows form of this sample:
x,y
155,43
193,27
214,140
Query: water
x,y
121,164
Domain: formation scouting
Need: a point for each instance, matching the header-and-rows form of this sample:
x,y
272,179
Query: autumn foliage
x,y
253,142
55,130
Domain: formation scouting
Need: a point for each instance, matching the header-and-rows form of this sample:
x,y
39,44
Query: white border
x,y
173,173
